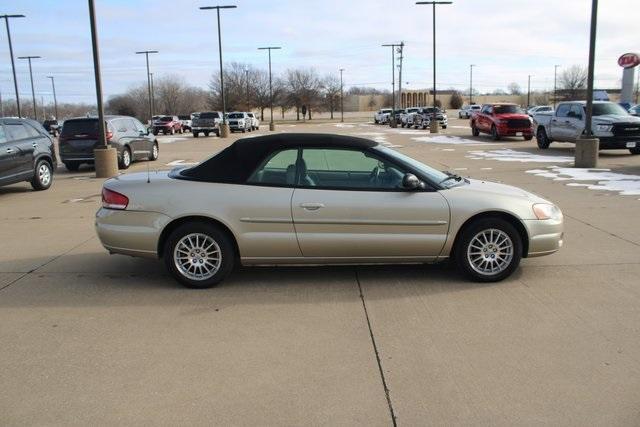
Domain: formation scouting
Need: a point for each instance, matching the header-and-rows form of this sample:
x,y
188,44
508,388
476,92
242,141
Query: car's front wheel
x,y
125,159
494,133
474,130
635,150
543,139
199,255
42,176
489,250
153,156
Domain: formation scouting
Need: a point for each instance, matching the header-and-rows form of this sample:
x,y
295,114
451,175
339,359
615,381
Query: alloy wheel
x,y
490,251
197,256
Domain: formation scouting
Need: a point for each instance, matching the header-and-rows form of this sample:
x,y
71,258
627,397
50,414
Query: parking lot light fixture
x,y
471,83
529,91
555,85
146,54
33,91
434,122
13,64
341,98
393,76
55,99
272,126
224,130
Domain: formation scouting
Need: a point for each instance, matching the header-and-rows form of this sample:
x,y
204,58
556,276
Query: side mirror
x,y
411,182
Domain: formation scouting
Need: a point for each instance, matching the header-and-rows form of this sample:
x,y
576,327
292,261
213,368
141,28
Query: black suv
x,y
26,153
79,137
52,126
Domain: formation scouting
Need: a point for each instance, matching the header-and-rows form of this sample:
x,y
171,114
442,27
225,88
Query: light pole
x,y
341,98
471,83
434,122
246,77
224,129
586,152
146,54
392,119
33,91
529,91
555,85
106,158
13,64
153,97
272,125
55,100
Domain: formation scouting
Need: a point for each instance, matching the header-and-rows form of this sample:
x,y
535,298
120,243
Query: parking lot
x,y
89,338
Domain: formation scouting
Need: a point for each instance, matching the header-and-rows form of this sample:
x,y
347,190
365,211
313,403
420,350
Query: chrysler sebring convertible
x,y
321,199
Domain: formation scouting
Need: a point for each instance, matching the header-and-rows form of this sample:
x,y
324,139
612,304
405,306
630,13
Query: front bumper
x,y
509,131
617,142
134,233
545,236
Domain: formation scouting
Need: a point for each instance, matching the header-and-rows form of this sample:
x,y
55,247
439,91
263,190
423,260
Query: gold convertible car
x,y
321,199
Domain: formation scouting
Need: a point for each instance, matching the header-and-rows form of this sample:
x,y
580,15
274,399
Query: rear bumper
x,y
134,233
545,236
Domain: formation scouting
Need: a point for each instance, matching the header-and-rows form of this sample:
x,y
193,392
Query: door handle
x,y
9,150
567,121
312,206
35,145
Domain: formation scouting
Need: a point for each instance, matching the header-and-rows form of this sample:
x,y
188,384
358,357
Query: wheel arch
x,y
510,218
168,229
47,157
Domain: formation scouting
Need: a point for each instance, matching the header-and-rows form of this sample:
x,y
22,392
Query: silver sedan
x,y
321,199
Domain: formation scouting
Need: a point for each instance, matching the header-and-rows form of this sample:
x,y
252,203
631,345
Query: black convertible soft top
x,y
235,163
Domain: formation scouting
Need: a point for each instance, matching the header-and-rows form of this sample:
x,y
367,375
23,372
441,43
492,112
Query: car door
x,y
138,141
8,155
350,204
22,145
576,122
559,124
483,119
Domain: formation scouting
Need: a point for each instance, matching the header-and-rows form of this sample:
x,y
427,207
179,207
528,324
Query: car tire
x,y
206,133
217,133
375,121
189,250
528,137
125,159
635,150
494,133
542,138
172,131
155,151
42,176
155,132
487,244
72,166
474,130
195,134
444,126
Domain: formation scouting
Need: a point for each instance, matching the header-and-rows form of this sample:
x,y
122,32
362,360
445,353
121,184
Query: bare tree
x,y
331,92
514,88
304,88
573,82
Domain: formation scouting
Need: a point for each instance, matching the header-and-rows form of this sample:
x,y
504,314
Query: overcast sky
x,y
506,39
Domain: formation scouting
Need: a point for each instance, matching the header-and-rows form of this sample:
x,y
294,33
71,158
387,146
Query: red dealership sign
x,y
629,60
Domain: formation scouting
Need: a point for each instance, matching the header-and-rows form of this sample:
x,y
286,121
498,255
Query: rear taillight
x,y
114,200
109,135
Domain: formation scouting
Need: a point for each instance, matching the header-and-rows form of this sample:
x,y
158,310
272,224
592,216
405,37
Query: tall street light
x,y
392,118
153,97
529,91
434,122
272,125
146,54
586,152
33,91
341,98
55,100
106,158
555,85
471,83
224,130
13,64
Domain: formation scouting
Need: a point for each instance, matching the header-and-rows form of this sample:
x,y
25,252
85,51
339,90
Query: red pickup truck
x,y
500,120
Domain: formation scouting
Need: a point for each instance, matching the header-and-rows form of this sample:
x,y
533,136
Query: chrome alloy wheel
x,y
126,158
44,175
197,256
490,251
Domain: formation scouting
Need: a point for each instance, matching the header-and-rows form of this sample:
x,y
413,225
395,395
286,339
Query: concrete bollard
x,y
434,126
586,154
393,123
272,126
224,130
106,162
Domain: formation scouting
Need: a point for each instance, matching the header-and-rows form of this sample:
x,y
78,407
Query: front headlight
x,y
604,128
547,211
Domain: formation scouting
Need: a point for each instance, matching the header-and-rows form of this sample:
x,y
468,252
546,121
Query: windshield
x,y
507,109
184,117
208,116
166,119
236,116
433,175
606,108
385,111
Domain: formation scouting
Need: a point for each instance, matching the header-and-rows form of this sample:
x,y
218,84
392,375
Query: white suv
x,y
255,121
239,121
467,111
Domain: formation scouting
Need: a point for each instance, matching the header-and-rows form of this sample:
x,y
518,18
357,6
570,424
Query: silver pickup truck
x,y
206,122
612,125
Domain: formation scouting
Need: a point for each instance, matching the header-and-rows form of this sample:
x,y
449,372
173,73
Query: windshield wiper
x,y
451,176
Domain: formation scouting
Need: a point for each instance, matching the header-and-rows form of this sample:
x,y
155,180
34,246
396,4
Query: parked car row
x,y
412,117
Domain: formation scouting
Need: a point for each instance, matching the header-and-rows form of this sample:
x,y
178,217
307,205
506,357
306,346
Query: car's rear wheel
x,y
42,176
153,156
494,133
542,138
489,250
125,159
72,166
528,137
474,130
199,255
196,134
206,133
172,131
635,150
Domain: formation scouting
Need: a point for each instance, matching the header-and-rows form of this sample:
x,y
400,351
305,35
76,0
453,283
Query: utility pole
x,y
1,105
246,76
55,100
392,119
434,122
153,97
400,50
146,54
224,129
272,125
471,83
341,98
33,91
529,91
586,152
637,85
13,64
555,85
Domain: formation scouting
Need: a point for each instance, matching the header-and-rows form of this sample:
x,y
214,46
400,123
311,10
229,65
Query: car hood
x,y
615,118
492,189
